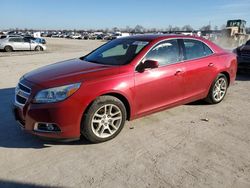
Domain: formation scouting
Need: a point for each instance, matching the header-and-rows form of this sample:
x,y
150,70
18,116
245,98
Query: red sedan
x,y
122,80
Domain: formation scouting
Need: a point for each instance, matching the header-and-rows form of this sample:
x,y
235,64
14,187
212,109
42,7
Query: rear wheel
x,y
8,49
104,119
218,90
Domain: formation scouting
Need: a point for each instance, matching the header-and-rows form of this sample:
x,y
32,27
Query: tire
x,y
8,49
38,48
218,90
104,119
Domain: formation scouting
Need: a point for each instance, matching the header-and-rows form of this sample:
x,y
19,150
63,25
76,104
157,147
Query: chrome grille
x,y
22,94
24,88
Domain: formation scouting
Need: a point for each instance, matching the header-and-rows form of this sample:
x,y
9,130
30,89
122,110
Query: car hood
x,y
70,71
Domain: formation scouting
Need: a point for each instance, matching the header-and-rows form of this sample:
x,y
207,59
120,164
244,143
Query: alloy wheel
x,y
106,120
220,88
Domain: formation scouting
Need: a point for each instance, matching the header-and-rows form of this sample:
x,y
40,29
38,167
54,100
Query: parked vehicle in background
x,y
85,36
108,36
119,35
75,36
20,43
38,40
8,36
55,35
100,37
92,36
122,80
243,56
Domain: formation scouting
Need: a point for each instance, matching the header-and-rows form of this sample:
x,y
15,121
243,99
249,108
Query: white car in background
x,y
120,35
20,43
76,36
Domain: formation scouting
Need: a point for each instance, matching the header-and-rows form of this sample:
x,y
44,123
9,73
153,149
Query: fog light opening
x,y
46,127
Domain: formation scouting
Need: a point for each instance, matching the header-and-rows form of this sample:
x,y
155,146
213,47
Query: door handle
x,y
178,72
210,64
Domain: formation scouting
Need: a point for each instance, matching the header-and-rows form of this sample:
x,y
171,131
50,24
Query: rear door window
x,y
16,40
195,49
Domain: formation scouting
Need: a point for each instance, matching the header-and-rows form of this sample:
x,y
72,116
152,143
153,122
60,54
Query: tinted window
x,y
26,39
208,51
165,53
3,36
116,52
196,49
16,40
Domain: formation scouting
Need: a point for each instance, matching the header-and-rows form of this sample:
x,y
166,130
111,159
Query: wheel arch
x,y
227,76
124,101
39,47
9,46
121,97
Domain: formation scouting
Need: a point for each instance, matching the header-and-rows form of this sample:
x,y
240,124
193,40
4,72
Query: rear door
x,y
26,44
15,43
19,43
199,68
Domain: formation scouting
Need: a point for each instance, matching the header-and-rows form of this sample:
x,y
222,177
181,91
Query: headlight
x,y
56,94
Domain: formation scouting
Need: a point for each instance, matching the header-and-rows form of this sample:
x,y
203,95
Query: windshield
x,y
116,52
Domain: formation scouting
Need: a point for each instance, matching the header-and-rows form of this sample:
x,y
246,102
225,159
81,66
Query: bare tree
x,y
169,28
206,28
223,27
187,28
139,29
176,28
106,30
128,29
115,29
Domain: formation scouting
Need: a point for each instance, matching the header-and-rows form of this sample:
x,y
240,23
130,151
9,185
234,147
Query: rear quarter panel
x,y
227,62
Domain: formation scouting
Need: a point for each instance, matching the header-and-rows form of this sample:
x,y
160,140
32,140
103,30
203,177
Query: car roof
x,y
159,37
152,37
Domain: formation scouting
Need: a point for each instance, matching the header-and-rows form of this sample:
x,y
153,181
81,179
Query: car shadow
x,y
198,103
11,136
16,184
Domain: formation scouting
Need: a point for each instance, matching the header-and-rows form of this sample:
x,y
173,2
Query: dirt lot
x,y
173,148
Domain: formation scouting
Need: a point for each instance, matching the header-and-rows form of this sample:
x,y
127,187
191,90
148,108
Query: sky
x,y
99,14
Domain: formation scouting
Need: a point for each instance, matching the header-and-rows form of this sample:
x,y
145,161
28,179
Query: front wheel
x,y
218,90
104,119
38,48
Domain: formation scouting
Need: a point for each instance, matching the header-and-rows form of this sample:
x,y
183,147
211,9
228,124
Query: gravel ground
x,y
194,145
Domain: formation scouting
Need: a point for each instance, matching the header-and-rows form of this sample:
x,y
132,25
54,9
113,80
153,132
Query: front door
x,y
162,86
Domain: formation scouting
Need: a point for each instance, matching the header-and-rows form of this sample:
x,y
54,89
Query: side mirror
x,y
151,64
148,64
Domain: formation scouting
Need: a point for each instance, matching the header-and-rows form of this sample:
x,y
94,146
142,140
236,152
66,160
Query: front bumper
x,y
68,122
66,115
